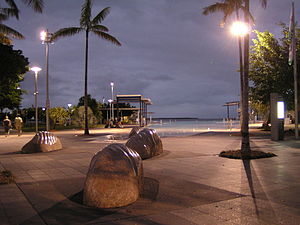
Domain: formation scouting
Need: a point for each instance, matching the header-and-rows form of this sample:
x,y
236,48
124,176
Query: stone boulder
x,y
43,141
114,178
146,142
134,131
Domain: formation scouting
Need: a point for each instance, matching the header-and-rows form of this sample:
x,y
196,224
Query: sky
x,y
171,53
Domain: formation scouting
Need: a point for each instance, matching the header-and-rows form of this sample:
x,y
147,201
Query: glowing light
x,y
239,28
43,35
280,110
35,69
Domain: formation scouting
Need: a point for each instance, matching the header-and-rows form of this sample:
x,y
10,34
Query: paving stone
x,y
190,185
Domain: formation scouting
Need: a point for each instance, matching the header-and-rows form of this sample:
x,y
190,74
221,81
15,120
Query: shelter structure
x,y
229,104
143,106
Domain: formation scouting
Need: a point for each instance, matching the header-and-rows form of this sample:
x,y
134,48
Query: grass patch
x,y
237,154
6,177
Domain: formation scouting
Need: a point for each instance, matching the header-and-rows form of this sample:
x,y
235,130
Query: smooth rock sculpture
x,y
134,131
114,178
146,142
43,141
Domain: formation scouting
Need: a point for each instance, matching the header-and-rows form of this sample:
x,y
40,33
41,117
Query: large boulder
x,y
134,131
43,141
114,178
146,142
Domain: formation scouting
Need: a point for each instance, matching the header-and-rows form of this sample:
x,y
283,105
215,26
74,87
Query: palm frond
x,y
101,16
5,40
264,3
13,6
99,28
234,3
37,5
10,32
86,12
249,13
107,37
3,17
7,12
228,11
217,7
64,32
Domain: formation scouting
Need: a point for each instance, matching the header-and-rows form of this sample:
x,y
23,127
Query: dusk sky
x,y
170,53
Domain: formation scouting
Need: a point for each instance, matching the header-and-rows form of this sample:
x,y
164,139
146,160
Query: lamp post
x,y
110,114
112,97
242,30
36,70
46,39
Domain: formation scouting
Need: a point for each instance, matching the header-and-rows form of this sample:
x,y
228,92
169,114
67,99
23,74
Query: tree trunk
x,y
245,146
86,124
241,76
241,67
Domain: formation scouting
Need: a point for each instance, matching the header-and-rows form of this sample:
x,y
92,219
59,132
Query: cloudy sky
x,y
170,53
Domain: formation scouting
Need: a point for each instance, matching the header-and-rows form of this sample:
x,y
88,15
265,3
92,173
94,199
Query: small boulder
x,y
114,178
146,142
43,141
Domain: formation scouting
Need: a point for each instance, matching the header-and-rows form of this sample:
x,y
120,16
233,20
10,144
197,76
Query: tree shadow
x,y
261,204
247,167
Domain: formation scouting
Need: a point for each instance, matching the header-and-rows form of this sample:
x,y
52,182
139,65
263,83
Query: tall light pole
x,y
46,39
110,101
112,98
241,30
36,70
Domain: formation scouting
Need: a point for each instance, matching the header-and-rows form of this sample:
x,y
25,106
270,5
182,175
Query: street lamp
x,y
239,28
242,30
36,70
46,39
110,101
112,97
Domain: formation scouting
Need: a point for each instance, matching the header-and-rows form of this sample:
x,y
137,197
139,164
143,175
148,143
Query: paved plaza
x,y
188,184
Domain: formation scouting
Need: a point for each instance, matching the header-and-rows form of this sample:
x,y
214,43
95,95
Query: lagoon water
x,y
178,127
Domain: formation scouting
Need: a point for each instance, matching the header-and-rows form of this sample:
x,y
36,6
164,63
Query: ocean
x,y
180,127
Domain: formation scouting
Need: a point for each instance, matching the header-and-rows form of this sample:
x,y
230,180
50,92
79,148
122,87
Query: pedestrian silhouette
x,y
7,126
18,124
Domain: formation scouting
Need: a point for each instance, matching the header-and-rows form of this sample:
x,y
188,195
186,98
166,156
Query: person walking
x,y
18,124
7,126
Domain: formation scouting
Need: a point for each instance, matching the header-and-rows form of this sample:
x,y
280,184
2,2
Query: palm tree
x,y
228,7
87,24
245,147
6,33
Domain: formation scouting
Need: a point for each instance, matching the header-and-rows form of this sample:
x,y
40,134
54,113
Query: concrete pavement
x,y
187,184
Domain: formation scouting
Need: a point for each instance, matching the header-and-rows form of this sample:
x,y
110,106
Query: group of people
x,y
113,124
7,125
